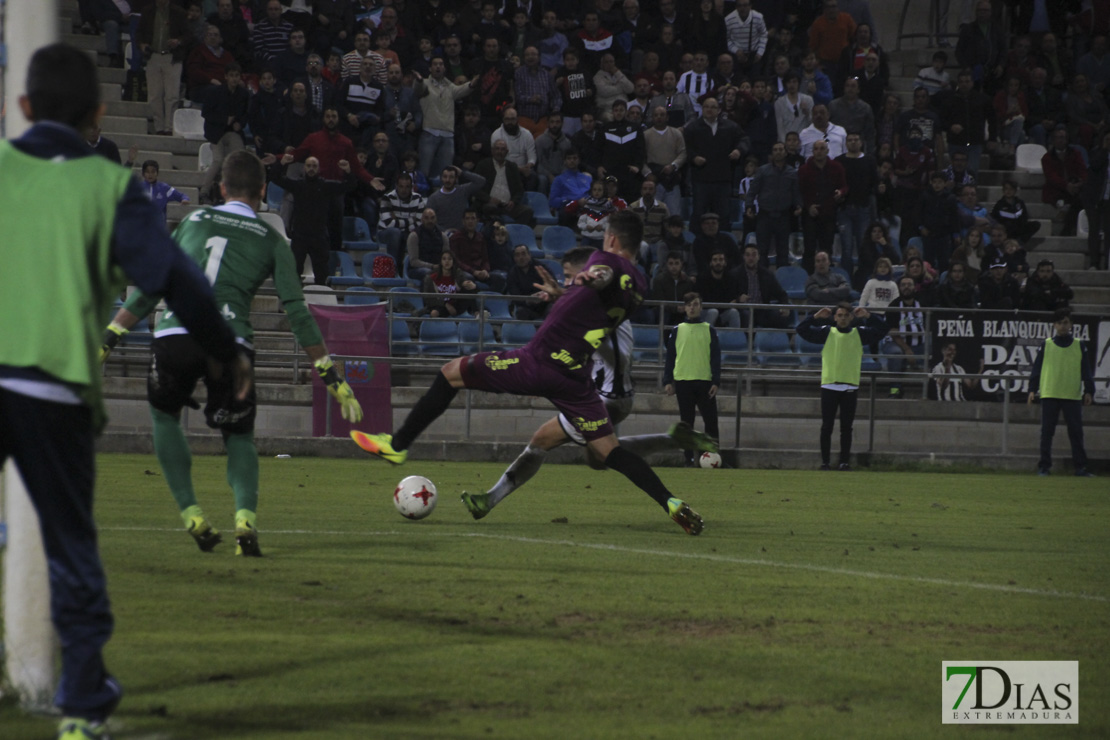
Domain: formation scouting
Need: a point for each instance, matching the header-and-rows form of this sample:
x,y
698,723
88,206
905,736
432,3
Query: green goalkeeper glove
x,y
339,390
112,335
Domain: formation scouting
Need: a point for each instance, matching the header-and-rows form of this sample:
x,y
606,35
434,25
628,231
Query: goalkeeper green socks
x,y
242,470
175,458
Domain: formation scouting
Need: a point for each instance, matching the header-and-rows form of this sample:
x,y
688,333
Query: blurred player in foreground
x,y
612,374
238,252
555,364
62,269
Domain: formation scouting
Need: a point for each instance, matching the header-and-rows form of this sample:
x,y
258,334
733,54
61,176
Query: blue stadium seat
x,y
558,240
540,208
645,344
439,337
274,195
469,333
341,263
812,349
400,339
516,334
736,216
554,267
734,345
360,296
406,300
521,234
497,305
793,281
356,234
773,348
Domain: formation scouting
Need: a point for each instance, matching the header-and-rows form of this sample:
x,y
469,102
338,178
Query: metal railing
x,y
756,363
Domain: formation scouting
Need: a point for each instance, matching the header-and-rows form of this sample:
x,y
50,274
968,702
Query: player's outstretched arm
x,y
597,277
336,385
119,326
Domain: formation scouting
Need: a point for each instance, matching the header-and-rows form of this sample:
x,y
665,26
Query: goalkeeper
x,y
237,252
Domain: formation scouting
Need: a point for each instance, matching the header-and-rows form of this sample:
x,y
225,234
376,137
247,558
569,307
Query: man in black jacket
x,y
713,147
225,115
522,281
622,152
309,222
963,117
758,285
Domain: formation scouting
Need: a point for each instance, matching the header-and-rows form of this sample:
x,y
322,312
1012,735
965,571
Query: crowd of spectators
x,y
741,123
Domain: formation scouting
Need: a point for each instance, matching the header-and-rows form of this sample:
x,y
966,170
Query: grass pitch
x,y
815,605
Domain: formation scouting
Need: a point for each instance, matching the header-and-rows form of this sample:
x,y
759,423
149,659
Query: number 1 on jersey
x,y
215,247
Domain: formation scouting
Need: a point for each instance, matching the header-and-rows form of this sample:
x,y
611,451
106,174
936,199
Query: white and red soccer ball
x,y
709,460
415,497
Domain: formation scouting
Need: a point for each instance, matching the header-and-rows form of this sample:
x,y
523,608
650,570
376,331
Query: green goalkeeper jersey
x,y
237,252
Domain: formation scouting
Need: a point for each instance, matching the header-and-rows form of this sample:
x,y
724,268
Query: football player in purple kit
x,y
556,364
612,375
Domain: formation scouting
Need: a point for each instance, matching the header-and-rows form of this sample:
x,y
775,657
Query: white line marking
x,y
671,554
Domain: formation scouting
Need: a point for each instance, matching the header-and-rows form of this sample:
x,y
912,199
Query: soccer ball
x,y
415,497
709,460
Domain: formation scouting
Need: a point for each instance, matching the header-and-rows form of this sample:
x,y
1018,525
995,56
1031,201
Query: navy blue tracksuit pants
x,y
53,445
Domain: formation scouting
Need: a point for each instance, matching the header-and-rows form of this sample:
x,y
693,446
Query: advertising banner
x,y
1003,345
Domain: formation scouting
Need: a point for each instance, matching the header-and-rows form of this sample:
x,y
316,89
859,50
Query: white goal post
x,y
30,647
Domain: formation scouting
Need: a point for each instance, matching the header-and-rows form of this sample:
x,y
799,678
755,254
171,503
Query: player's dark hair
x,y
628,229
578,255
150,163
691,297
845,305
243,174
62,86
403,176
1060,314
675,220
675,255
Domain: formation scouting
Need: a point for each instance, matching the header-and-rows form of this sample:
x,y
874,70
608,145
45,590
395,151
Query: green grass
x,y
815,605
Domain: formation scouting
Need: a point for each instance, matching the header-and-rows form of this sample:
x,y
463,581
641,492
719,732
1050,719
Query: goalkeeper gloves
x,y
339,390
112,335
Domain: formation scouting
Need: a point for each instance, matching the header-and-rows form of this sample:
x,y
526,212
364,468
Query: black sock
x,y
429,408
639,472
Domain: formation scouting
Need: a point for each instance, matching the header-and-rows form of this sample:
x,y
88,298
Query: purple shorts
x,y
520,373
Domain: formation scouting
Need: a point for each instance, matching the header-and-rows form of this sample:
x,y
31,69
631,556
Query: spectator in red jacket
x,y
1064,175
823,185
206,66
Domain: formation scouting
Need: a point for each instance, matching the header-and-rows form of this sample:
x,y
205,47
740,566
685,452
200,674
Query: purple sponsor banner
x,y
360,331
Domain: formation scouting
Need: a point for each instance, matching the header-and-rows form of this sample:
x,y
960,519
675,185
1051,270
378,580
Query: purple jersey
x,y
579,321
